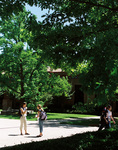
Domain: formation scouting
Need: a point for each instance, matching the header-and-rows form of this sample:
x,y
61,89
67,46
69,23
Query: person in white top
x,y
109,116
23,119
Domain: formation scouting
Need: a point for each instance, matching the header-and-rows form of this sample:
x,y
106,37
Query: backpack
x,y
43,115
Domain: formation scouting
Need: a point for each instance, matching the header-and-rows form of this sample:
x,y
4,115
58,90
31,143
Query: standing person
x,y
40,121
103,120
109,116
23,120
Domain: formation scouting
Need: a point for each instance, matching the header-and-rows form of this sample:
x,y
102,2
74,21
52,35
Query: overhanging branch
x,y
10,87
97,5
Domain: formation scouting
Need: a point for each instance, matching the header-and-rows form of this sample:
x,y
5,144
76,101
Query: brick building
x,y
78,96
59,102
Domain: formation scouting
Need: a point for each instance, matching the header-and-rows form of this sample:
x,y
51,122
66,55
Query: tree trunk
x,y
22,81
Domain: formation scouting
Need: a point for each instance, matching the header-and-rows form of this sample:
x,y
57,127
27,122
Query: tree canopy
x,y
77,32
23,71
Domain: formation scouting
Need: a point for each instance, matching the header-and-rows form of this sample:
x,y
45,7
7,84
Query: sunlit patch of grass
x,y
67,115
50,116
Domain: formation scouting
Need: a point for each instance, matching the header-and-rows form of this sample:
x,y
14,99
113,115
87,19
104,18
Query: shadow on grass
x,y
83,122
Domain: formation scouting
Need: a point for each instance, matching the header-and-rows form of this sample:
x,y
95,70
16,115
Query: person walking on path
x,y
109,116
103,120
23,120
40,120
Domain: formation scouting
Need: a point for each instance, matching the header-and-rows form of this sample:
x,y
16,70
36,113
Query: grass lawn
x,y
67,115
103,140
85,122
30,117
50,116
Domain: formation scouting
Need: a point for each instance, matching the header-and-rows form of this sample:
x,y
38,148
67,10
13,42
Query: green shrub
x,y
88,108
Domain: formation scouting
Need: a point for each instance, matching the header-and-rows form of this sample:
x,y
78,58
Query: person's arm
x,y
105,119
112,119
23,112
105,116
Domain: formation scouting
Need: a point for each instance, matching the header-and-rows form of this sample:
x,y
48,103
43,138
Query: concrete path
x,y
10,134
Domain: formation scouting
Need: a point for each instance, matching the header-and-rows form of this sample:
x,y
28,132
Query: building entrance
x,y
1,101
79,95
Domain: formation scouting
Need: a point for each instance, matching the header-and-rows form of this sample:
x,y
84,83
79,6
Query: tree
x,y
86,32
81,31
23,71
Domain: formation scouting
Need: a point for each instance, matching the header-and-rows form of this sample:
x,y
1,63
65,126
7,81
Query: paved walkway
x,y
10,135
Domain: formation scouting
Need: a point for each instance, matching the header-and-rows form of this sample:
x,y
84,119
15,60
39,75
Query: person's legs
x,y
109,122
21,125
108,125
41,126
25,124
102,125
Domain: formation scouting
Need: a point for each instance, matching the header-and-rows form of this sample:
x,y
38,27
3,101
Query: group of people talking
x,y
23,119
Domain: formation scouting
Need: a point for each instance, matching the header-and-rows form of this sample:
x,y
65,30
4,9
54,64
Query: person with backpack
x,y
42,116
23,120
103,120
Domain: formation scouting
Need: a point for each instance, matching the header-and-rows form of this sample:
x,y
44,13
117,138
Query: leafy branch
x,y
97,5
